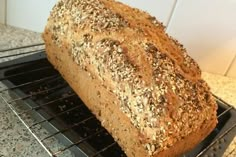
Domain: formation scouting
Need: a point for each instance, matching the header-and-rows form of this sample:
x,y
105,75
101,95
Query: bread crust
x,y
139,82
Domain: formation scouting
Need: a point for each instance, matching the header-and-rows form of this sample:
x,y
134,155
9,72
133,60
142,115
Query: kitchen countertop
x,y
16,140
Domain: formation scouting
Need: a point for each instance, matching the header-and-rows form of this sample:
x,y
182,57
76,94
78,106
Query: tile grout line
x,y
171,15
230,66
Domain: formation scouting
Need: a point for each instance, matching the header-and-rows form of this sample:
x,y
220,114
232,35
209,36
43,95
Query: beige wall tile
x,y
2,11
207,29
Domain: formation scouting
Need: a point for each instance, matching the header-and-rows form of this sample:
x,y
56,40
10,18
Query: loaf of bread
x,y
138,81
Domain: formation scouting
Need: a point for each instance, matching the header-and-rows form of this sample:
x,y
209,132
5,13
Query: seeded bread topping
x,y
157,84
147,105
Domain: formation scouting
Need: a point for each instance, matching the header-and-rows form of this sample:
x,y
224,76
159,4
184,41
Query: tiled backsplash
x,y
207,28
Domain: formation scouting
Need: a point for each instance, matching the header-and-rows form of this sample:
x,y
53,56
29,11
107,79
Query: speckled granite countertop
x,y
15,139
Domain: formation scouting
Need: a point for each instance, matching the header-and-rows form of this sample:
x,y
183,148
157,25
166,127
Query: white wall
x,y
207,28
29,14
2,11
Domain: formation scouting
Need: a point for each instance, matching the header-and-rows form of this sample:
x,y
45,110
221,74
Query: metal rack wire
x,y
34,96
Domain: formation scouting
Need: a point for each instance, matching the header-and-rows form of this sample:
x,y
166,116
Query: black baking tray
x,y
27,69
